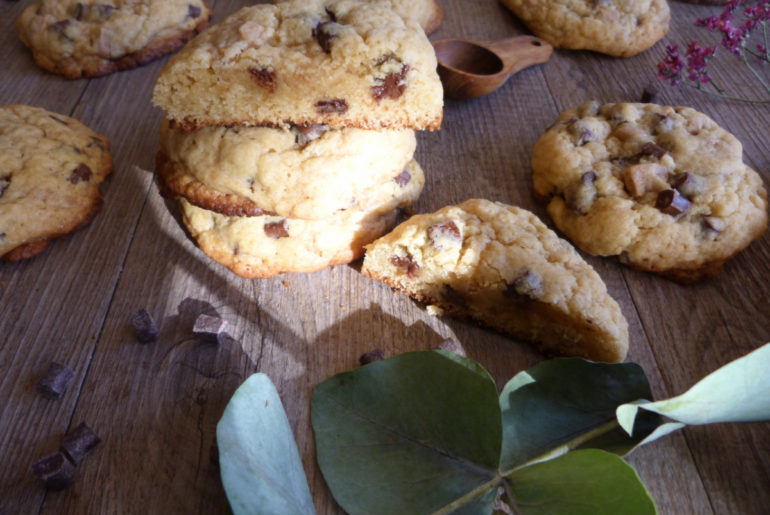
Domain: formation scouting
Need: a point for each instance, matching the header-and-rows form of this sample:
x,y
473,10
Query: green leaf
x,y
590,482
570,403
411,434
258,459
737,392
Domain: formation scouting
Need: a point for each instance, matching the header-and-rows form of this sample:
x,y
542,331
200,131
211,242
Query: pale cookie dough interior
x,y
501,266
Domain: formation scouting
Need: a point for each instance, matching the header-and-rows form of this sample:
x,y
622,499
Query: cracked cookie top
x,y
663,188
620,28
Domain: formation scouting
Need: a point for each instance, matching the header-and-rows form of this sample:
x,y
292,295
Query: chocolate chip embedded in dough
x,y
581,132
55,470
580,196
445,235
334,105
332,16
392,86
304,134
76,444
527,285
645,177
276,230
403,178
81,173
60,26
193,11
264,78
713,226
689,184
651,149
407,264
56,381
77,12
672,203
325,35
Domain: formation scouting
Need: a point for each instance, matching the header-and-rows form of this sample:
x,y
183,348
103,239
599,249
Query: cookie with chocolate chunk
x,y
620,28
89,38
267,245
51,166
344,63
664,189
501,266
304,172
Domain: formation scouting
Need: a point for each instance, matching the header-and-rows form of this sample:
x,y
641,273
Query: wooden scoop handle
x,y
520,52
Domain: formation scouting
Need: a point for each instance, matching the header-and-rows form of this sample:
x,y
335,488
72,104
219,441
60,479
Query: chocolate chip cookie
x,y
89,38
309,172
620,28
50,170
500,265
664,189
344,63
267,245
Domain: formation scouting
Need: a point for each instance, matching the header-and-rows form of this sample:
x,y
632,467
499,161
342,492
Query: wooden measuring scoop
x,y
470,69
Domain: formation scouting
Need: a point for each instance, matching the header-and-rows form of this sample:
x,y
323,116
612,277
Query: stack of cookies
x,y
289,137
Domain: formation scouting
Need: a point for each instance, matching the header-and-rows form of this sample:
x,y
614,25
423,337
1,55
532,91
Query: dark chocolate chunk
x,y
651,149
371,357
403,178
581,133
77,12
581,195
452,345
144,326
392,85
193,11
278,229
55,381
406,264
330,14
55,471
335,105
60,25
689,184
210,329
445,235
304,134
650,95
528,285
324,36
712,226
78,443
672,203
81,173
264,78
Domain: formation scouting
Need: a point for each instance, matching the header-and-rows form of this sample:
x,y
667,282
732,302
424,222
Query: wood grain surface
x,y
156,406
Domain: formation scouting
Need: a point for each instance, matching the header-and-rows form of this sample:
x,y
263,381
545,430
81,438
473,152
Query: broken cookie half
x,y
501,266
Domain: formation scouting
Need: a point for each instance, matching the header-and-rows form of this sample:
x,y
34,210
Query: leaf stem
x,y
470,496
721,94
568,446
756,74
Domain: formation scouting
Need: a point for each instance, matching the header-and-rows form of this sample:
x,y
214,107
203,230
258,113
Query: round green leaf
x,y
410,434
585,482
570,403
258,459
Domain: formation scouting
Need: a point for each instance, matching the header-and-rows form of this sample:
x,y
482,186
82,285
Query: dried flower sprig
x,y
692,68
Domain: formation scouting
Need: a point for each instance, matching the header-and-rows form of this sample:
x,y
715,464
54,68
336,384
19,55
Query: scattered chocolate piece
x,y
650,95
406,264
330,13
55,471
78,443
403,178
371,357
264,78
335,105
278,229
528,285
581,195
144,326
689,184
672,203
210,329
59,26
452,345
581,133
645,177
193,11
55,382
324,35
651,149
81,173
445,235
665,124
392,85
713,226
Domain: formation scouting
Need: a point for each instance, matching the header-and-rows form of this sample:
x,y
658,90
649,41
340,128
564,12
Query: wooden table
x,y
156,406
